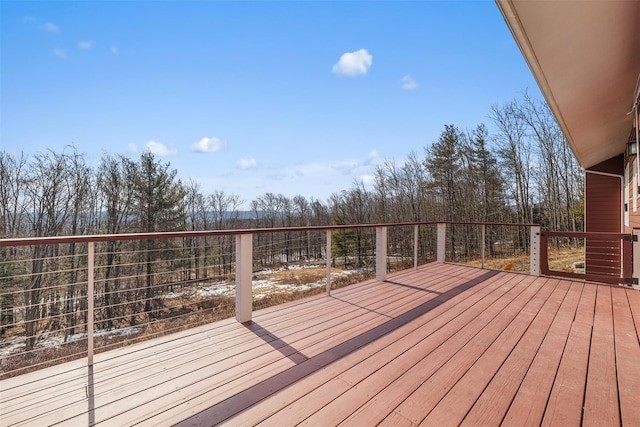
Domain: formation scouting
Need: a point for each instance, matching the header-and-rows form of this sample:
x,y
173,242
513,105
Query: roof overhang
x,y
585,56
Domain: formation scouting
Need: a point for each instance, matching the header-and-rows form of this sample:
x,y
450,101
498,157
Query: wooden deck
x,y
443,345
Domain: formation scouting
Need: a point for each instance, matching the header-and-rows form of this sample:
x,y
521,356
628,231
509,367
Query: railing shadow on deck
x,y
243,400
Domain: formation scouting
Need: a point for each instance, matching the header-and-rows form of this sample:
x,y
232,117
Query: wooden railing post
x,y
636,259
442,241
534,255
381,253
328,253
244,272
484,233
415,247
90,302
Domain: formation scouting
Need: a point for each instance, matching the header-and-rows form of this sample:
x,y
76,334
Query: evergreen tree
x,y
444,166
443,162
159,197
160,206
487,181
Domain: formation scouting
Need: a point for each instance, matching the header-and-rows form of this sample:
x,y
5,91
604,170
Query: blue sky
x,y
252,97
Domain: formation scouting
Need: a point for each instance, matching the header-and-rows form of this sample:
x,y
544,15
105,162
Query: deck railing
x,y
502,246
605,257
64,298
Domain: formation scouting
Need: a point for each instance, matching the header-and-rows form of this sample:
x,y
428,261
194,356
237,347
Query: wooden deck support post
x,y
328,253
534,254
244,267
381,253
442,241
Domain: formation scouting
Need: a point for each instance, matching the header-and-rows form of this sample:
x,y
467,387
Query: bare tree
x,y
224,210
79,184
515,154
556,171
115,182
12,167
12,188
47,201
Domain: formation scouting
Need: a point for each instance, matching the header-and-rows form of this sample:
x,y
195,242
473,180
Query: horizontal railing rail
x,y
28,241
607,257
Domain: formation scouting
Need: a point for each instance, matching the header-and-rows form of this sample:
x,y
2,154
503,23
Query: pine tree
x,y
160,206
444,166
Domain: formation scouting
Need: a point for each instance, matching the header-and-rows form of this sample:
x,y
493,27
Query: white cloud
x,y
50,27
347,166
61,53
208,145
84,45
408,83
132,148
358,165
277,176
374,158
368,179
159,149
114,50
353,63
247,163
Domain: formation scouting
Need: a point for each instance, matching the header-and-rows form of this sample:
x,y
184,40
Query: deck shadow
x,y
417,288
243,400
287,351
391,282
91,397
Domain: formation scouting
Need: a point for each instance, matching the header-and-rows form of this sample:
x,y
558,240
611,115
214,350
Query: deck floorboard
x,y
530,402
602,387
441,345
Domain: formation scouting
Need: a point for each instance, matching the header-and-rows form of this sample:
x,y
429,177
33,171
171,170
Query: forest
x,y
522,173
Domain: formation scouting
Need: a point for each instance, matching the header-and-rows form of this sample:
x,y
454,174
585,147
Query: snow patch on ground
x,y
262,288
55,341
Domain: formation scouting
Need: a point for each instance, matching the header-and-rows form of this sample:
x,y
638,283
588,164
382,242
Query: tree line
x,y
523,173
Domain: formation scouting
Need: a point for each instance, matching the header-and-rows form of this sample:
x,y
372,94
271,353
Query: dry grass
x,y
560,259
302,276
22,363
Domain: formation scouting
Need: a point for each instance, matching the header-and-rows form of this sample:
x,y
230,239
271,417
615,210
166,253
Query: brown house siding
x,y
603,213
614,165
603,201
